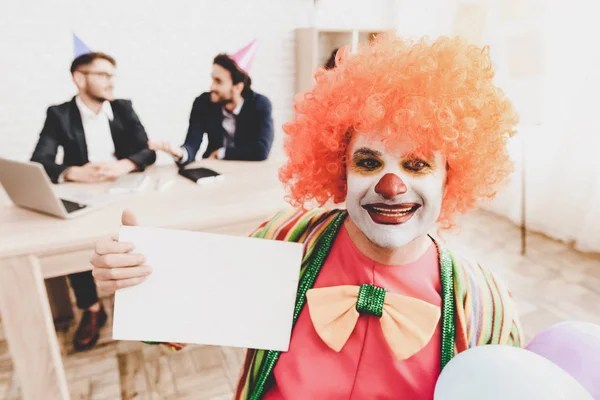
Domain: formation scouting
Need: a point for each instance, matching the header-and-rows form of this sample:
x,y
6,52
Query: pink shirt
x,y
365,368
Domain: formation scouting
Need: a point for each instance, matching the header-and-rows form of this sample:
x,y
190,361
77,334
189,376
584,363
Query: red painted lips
x,y
387,214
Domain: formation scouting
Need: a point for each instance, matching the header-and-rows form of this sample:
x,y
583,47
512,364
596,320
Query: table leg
x,y
29,330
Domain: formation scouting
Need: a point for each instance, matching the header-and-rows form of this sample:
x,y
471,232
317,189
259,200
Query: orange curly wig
x,y
438,95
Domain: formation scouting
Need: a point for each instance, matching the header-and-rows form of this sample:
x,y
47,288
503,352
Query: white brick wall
x,y
425,17
164,52
355,14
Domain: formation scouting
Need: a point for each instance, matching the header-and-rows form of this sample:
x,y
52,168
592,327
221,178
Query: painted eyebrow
x,y
365,151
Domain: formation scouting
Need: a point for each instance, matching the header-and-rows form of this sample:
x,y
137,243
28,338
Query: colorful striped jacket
x,y
484,310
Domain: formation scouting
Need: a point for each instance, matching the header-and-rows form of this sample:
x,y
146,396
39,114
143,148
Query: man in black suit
x,y
102,139
237,120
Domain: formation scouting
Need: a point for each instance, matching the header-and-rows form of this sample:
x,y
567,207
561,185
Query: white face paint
x,y
393,197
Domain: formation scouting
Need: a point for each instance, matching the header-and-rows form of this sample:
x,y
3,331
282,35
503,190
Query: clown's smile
x,y
391,214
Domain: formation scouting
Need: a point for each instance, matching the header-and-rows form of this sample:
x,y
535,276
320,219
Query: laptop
x,y
28,186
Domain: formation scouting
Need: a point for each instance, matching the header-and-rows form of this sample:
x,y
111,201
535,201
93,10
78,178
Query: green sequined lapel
x,y
307,280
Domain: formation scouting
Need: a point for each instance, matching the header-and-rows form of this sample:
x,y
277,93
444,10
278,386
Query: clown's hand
x,y
115,265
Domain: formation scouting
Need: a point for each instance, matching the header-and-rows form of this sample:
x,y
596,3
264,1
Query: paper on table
x,y
210,289
130,183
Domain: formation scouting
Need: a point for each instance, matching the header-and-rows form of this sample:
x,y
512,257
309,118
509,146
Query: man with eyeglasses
x,y
102,139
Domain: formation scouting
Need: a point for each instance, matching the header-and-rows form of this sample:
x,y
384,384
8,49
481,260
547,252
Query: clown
x,y
408,136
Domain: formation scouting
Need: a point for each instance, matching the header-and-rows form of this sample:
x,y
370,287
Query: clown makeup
x,y
393,196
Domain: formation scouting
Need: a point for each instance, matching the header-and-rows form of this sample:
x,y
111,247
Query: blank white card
x,y
210,289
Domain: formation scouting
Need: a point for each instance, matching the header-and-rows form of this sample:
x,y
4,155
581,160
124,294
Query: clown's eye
x,y
416,165
368,163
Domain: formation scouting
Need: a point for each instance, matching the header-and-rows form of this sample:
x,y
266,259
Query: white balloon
x,y
498,372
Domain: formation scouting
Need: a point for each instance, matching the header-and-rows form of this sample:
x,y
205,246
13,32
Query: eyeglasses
x,y
103,75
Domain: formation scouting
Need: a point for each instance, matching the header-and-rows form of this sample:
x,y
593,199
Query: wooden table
x,y
34,247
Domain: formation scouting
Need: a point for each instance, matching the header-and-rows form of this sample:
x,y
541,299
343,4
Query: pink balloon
x,y
575,347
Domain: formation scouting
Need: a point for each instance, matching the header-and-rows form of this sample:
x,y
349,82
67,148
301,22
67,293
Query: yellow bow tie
x,y
407,323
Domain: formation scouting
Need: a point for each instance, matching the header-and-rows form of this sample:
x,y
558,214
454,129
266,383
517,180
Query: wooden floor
x,y
551,283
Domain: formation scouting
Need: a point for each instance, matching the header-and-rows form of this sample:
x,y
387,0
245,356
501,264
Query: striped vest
x,y
484,314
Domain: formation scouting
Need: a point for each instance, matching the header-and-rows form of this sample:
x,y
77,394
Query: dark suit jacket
x,y
63,127
253,132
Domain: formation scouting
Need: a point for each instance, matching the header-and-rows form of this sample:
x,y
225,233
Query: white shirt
x,y
96,127
229,125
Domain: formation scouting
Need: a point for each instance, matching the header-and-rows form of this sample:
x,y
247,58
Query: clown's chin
x,y
386,214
